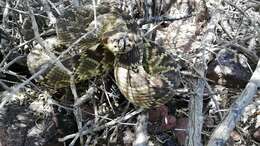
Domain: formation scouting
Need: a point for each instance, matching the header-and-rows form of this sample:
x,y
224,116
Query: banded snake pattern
x,y
144,72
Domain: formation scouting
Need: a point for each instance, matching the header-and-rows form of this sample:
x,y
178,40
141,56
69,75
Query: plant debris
x,y
215,44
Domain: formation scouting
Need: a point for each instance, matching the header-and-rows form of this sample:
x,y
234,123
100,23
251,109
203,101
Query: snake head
x,y
121,42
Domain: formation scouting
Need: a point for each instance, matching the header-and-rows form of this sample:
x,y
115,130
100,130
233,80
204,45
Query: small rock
x,y
229,69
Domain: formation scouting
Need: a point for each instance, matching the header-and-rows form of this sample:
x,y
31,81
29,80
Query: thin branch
x,y
47,9
5,13
54,7
98,128
18,58
7,96
77,111
95,12
87,96
196,116
144,21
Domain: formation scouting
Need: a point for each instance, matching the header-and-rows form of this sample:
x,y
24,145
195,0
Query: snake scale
x,y
145,74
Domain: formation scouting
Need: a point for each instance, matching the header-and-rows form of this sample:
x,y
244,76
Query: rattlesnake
x,y
88,58
144,72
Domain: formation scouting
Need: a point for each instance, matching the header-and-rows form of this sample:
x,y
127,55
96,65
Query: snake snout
x,y
120,43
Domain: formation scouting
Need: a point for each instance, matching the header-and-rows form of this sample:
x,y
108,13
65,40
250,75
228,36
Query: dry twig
x,y
196,117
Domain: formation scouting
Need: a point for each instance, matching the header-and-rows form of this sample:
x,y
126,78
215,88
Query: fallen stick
x,y
195,115
222,132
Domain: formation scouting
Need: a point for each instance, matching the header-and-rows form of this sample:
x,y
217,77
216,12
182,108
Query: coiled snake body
x,y
88,58
145,74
